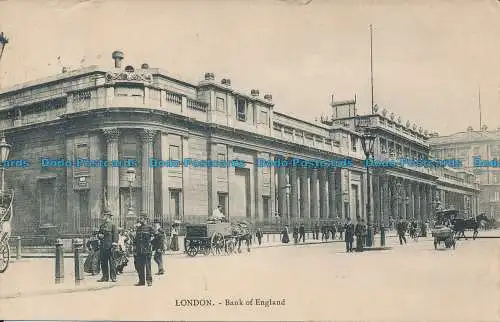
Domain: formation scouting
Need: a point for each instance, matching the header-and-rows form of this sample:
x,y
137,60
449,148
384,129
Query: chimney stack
x,y
145,66
268,97
117,57
254,92
64,70
226,81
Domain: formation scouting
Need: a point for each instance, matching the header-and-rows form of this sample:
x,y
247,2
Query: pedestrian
x,y
333,230
285,239
401,228
358,231
92,263
159,246
364,232
143,248
302,233
259,234
349,235
108,234
295,234
341,229
316,231
120,254
174,238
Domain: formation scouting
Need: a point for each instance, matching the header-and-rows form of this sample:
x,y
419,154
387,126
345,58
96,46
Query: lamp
x,y
4,153
3,41
367,142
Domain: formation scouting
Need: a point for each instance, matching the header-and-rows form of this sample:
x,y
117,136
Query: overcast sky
x,y
430,57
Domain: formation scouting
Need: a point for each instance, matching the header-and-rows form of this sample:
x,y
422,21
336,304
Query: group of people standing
x,y
359,231
108,251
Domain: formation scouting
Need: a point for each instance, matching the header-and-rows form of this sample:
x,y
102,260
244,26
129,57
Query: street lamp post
x,y
287,191
367,142
4,155
130,212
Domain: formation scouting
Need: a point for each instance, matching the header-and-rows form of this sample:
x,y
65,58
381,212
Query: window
x,y
222,198
221,157
173,152
81,152
354,142
241,110
219,104
496,178
496,196
266,207
264,118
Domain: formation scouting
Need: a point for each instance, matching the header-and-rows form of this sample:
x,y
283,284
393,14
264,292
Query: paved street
x,y
412,282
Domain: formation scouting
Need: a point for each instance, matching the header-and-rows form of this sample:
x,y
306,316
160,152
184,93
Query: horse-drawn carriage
x,y
444,234
6,199
458,221
215,238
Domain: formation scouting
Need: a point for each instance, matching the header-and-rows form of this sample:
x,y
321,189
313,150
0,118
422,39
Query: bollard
x,y
59,262
18,248
77,248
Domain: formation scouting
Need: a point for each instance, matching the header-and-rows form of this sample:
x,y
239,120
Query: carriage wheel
x,y
206,250
217,243
4,257
192,250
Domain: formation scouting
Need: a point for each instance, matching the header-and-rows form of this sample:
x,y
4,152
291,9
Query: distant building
x,y
481,145
403,188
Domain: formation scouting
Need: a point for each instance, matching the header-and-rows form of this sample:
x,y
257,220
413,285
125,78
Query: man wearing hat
x,y
143,248
108,234
158,246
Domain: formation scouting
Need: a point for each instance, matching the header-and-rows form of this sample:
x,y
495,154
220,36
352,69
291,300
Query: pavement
x,y
411,282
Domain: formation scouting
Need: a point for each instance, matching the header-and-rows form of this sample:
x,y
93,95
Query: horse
x,y
485,222
460,225
242,233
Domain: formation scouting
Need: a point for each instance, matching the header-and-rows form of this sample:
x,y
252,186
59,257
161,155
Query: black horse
x,y
242,233
460,225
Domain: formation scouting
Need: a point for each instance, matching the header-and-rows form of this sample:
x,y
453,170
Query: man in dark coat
x,y
143,248
359,232
159,246
401,228
295,234
302,233
316,232
259,235
349,235
108,235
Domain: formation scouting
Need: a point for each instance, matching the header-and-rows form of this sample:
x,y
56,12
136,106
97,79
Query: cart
x,y
443,234
208,238
6,199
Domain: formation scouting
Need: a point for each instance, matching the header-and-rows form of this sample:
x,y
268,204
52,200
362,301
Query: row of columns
x,y
397,197
312,193
112,137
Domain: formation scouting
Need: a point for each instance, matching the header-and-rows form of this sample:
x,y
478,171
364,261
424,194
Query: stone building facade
x,y
483,145
132,115
402,187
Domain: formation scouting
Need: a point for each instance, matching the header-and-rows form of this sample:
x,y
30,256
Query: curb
x,y
53,292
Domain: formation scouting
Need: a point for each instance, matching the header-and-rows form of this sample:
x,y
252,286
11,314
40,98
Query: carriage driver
x,y
217,214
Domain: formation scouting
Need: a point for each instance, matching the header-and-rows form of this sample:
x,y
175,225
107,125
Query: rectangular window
x,y
354,142
497,196
264,118
173,152
222,198
241,110
84,209
47,191
221,157
266,206
219,104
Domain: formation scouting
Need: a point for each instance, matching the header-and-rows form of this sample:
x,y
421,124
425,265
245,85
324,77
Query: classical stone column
x,y
332,194
323,193
113,174
314,194
422,202
305,205
147,183
409,194
282,192
386,201
294,194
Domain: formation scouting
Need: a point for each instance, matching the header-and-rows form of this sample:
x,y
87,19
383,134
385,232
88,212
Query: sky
x,y
431,58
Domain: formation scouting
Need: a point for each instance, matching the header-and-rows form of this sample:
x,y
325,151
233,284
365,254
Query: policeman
x,y
108,235
143,248
349,235
159,246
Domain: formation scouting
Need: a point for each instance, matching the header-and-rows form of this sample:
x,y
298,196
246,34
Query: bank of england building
x,y
128,113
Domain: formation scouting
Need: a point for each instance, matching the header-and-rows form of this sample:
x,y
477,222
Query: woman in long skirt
x,y
92,262
174,238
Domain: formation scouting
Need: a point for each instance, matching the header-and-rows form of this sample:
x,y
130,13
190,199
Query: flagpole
x,y
371,62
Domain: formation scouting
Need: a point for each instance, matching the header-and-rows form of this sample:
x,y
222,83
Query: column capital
x,y
111,134
147,135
